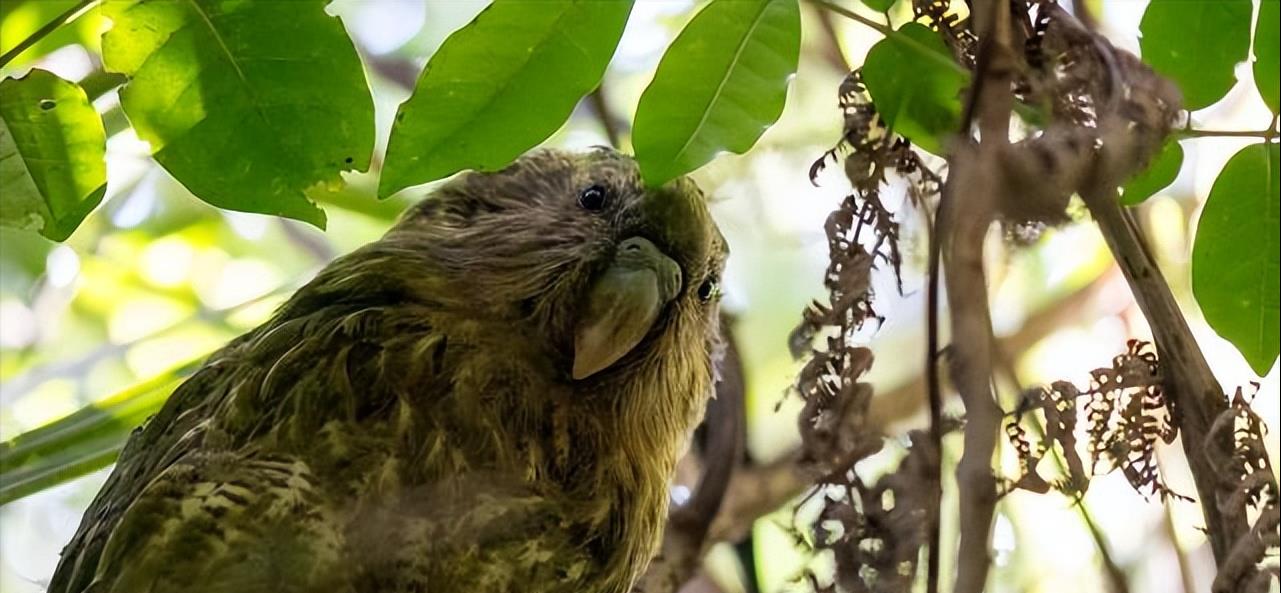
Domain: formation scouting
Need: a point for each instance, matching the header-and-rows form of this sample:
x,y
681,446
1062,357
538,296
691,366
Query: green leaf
x,y
1236,259
915,85
52,146
1197,43
499,86
1158,175
1267,46
719,86
248,103
85,441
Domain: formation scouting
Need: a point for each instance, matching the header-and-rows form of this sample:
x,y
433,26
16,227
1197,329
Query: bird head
x,y
574,247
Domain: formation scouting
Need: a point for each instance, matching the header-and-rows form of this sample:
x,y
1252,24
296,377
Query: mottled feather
x,y
407,421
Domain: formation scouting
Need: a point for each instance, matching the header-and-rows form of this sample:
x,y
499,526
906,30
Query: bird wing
x,y
149,450
281,391
224,523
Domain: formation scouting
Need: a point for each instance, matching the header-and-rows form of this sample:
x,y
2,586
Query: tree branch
x,y
907,399
606,118
756,491
974,186
1265,134
1195,396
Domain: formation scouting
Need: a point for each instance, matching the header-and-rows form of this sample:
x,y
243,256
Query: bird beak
x,y
622,304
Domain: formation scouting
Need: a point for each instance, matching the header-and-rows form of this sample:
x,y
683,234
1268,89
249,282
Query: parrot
x,y
490,398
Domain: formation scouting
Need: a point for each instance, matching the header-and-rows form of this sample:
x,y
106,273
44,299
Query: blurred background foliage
x,y
155,278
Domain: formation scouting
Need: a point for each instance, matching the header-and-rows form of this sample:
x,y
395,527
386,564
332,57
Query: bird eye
x,y
708,289
592,199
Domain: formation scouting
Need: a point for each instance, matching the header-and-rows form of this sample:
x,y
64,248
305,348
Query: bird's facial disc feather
x,y
622,305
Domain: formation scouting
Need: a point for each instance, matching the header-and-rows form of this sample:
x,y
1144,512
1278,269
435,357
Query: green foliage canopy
x,y
915,85
253,105
499,86
1236,260
1197,43
248,104
720,85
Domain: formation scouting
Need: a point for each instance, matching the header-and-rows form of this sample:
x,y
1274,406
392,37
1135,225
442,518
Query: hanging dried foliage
x,y
1125,416
1246,466
875,531
1085,117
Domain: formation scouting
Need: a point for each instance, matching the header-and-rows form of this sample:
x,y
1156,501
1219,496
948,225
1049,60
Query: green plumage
x,y
408,422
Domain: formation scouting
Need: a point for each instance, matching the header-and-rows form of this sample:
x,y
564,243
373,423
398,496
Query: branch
x,y
1265,134
934,391
757,491
972,183
399,71
1195,396
854,16
100,82
907,399
832,53
974,186
77,368
607,120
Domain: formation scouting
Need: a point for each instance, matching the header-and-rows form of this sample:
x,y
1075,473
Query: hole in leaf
x,y
47,104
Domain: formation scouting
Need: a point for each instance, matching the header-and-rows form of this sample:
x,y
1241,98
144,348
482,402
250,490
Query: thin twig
x,y
67,17
934,392
314,245
854,16
606,118
1167,528
1265,134
885,30
1116,576
908,398
832,49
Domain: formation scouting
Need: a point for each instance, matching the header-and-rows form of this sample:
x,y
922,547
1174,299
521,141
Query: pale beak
x,y
622,305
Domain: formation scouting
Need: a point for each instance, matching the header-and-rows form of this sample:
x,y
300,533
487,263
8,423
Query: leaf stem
x,y
607,121
1265,134
886,31
100,82
849,14
67,17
